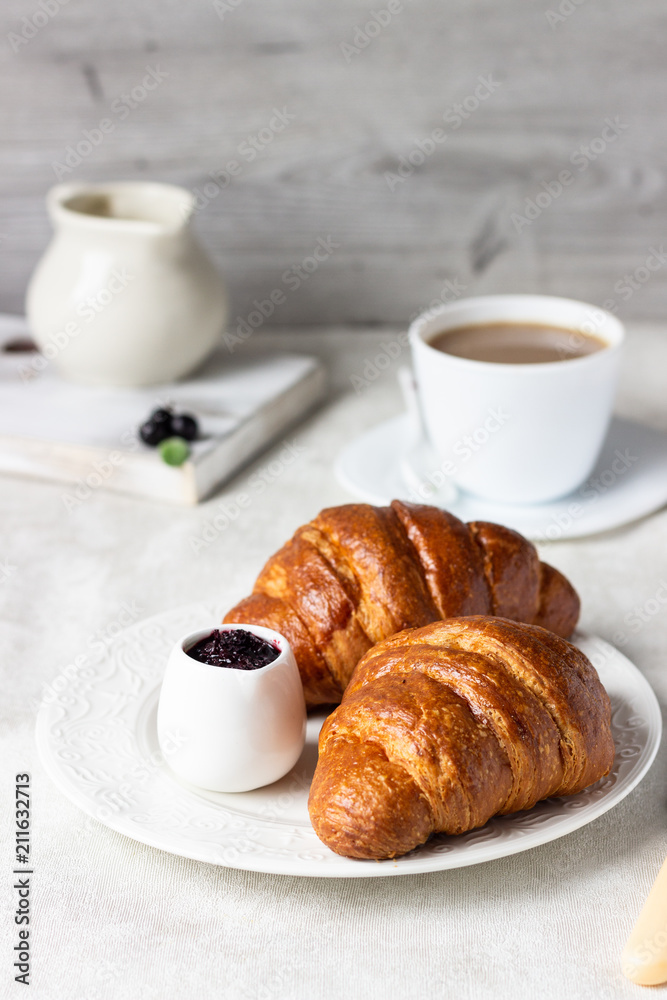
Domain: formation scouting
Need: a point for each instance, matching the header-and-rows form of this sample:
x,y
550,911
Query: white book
x,y
59,430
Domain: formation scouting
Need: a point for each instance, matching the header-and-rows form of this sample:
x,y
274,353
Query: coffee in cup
x,y
516,343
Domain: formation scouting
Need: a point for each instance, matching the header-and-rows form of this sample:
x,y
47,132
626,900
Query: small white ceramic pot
x,y
237,729
124,295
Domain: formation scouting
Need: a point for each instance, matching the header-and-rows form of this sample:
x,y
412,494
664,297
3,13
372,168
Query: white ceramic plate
x,y
98,743
619,491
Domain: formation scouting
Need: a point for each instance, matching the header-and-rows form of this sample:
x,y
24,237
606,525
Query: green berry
x,y
174,450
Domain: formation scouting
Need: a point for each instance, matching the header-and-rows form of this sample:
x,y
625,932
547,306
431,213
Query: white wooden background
x,y
324,173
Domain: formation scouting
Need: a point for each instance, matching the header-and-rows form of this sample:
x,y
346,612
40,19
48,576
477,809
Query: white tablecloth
x,y
115,919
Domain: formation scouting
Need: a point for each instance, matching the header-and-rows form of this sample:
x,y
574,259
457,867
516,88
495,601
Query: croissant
x,y
444,726
357,574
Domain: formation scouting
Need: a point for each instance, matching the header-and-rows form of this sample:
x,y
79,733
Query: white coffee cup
x,y
516,433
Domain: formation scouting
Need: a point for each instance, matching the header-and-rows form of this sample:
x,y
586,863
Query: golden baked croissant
x,y
444,726
357,574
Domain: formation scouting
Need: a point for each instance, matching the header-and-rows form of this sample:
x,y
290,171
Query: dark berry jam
x,y
234,648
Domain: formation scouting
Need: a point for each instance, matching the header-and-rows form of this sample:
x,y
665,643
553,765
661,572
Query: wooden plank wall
x,y
361,86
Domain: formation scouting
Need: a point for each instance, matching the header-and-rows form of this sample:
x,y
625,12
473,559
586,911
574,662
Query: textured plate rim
x,y
410,864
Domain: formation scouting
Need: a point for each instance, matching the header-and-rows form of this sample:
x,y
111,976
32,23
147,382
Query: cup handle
x,y
418,464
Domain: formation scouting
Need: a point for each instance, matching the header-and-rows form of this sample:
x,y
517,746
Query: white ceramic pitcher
x,y
124,294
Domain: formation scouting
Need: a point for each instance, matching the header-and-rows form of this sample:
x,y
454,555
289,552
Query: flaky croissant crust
x,y
445,726
357,574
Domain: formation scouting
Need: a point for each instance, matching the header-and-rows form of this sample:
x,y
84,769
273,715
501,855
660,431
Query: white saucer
x,y
617,492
